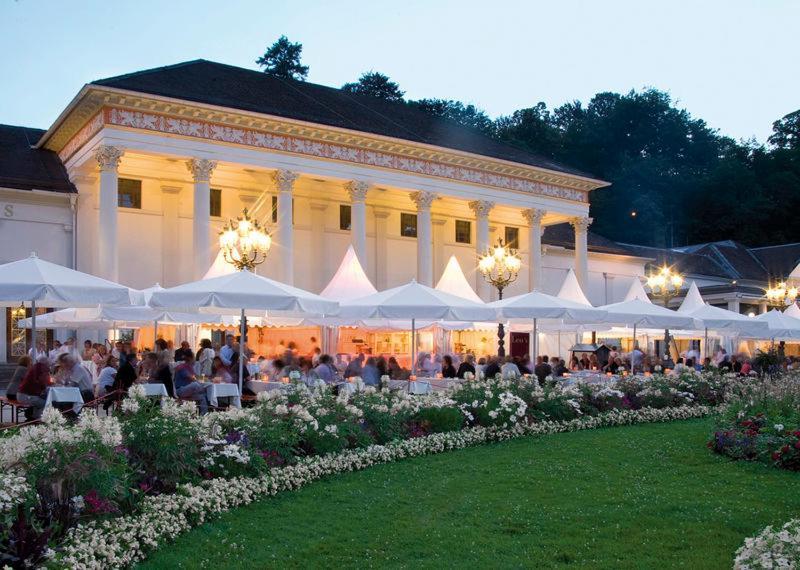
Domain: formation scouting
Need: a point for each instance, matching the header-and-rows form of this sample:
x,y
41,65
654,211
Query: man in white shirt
x,y
227,350
38,352
73,374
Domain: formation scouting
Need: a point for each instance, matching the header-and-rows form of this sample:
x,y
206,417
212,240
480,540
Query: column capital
x,y
581,224
357,189
423,199
201,168
481,208
108,157
284,180
533,216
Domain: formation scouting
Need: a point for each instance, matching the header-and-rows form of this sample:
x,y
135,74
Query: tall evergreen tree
x,y
375,84
282,59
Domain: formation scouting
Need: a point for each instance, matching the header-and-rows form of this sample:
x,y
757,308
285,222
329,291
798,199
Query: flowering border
x,y
125,540
771,548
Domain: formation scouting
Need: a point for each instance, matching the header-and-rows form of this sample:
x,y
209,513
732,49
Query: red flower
x,y
797,444
796,433
785,449
776,455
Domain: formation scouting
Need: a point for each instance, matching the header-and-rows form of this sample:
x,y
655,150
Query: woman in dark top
x,y
19,373
33,389
467,366
448,370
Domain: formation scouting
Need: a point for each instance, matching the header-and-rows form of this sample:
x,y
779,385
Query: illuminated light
x,y
633,214
243,243
751,314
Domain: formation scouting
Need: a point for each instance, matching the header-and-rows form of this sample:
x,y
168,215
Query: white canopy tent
x,y
719,319
415,301
219,267
36,282
781,325
637,310
247,292
793,311
454,281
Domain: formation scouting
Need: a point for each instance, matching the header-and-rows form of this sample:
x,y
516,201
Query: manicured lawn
x,y
647,496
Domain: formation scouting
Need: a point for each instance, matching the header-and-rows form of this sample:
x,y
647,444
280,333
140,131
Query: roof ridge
x,y
150,70
776,245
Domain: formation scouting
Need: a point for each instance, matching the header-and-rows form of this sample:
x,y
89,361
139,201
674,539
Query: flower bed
x,y
105,491
771,548
762,423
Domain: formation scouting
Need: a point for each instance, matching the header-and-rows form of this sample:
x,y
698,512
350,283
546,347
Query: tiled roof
x,y
223,85
563,235
685,263
23,167
779,260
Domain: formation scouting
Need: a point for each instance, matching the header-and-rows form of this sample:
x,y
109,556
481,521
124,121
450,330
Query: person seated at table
x,y
480,367
543,370
355,366
33,389
148,368
180,353
394,370
204,357
468,365
220,372
164,376
105,381
524,364
370,373
73,374
492,368
23,364
509,369
99,357
574,364
186,385
163,352
613,365
88,350
325,370
559,369
448,370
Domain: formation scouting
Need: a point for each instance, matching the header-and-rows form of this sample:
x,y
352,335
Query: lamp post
x,y
665,284
781,294
500,266
244,244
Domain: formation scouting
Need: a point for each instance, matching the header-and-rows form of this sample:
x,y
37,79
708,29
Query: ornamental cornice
x,y
482,208
108,157
422,199
357,189
101,106
284,180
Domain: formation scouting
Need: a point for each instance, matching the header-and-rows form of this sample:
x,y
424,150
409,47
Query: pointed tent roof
x,y
637,292
349,281
638,310
718,318
693,300
454,281
781,325
220,267
793,311
571,290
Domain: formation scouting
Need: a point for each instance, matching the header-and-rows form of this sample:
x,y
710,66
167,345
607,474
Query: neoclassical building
x,y
140,171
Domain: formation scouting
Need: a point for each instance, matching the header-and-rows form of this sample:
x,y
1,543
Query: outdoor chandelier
x,y
500,266
665,284
244,243
782,294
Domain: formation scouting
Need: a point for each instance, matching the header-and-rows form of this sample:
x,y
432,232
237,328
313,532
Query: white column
x,y
108,158
734,305
170,236
358,219
534,219
87,222
438,248
481,209
201,169
318,267
423,201
381,249
581,227
284,181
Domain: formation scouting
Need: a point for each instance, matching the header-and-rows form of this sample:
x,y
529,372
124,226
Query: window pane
x,y
344,217
129,193
408,225
463,231
512,237
216,202
274,209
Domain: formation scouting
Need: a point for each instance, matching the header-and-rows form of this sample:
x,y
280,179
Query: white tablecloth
x,y
155,390
215,391
415,387
64,395
257,386
351,387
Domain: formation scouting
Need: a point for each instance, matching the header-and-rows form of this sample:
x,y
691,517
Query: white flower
x,y
778,427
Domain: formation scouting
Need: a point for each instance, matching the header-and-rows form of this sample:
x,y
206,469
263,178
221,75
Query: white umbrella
x,y
537,305
247,292
637,310
46,284
716,318
781,326
415,301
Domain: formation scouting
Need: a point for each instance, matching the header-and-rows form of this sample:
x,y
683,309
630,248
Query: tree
x,y
786,131
465,115
282,59
375,84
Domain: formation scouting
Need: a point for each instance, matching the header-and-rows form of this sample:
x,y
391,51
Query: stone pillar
x,y
438,248
284,181
201,169
108,158
319,267
358,219
481,209
423,200
534,219
170,236
734,305
762,307
581,227
87,217
381,249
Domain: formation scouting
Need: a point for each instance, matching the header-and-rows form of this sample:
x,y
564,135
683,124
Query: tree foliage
x,y
375,84
455,111
282,59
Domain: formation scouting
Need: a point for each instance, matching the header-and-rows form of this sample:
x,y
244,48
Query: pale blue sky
x,y
732,63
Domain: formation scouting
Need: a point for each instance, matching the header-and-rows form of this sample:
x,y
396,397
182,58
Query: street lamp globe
x,y
244,243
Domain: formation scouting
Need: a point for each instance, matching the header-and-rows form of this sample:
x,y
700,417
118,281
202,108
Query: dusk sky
x,y
732,63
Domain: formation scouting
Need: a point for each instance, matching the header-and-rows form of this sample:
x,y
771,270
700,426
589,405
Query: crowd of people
x,y
107,371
